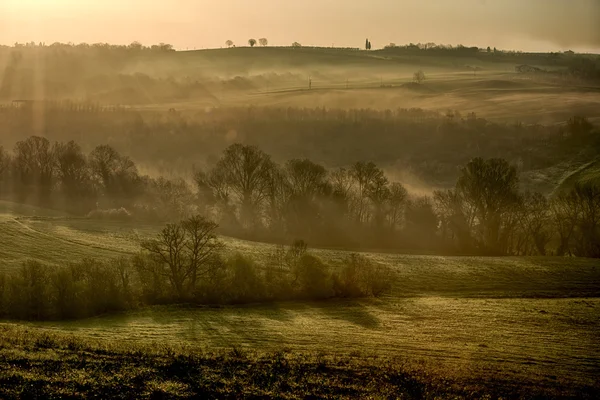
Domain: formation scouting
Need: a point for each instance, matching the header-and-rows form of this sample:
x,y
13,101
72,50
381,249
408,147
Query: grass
x,y
588,173
501,326
48,365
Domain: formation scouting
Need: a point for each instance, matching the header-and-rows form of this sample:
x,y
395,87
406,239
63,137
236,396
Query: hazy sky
x,y
509,24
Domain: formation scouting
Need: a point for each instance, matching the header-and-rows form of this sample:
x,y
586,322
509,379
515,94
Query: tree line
x,y
427,145
250,195
358,206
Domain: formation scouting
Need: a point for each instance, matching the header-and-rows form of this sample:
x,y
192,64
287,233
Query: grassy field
x,y
528,320
588,173
359,79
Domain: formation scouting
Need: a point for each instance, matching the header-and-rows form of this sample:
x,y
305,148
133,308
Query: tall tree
x,y
182,253
247,171
72,170
490,187
34,164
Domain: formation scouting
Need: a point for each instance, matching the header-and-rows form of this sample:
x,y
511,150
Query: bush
x,y
361,277
246,283
311,278
88,288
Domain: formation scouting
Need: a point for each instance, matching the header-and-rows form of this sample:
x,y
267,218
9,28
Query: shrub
x,y
311,278
246,284
361,277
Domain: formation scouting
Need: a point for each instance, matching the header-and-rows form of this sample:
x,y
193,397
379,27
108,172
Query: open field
x,y
496,96
474,318
341,78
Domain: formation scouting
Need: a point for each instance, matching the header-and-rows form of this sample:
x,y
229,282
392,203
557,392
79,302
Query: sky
x,y
527,25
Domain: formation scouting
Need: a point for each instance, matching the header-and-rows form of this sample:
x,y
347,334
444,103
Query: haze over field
x,y
320,199
534,25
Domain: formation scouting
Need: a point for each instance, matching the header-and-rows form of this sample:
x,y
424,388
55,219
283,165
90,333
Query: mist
x,y
535,25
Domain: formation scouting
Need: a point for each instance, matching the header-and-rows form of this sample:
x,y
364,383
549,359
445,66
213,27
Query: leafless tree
x,y
34,163
72,168
247,171
183,253
263,42
229,43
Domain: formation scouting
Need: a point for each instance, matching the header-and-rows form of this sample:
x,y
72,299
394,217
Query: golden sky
x,y
527,25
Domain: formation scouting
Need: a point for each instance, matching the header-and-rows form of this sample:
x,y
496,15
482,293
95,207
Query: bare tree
x,y
34,163
117,175
263,42
247,171
182,252
490,188
365,175
252,42
229,43
72,169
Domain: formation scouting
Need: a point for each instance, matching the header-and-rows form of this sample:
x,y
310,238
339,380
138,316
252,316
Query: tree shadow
x,y
353,311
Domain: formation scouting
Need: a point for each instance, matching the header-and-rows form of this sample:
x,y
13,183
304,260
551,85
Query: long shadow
x,y
352,311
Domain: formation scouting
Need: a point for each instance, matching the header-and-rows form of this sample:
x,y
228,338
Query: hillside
x,y
339,78
461,320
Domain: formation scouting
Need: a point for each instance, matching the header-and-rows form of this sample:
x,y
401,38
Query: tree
x,y
365,176
72,170
229,43
419,77
535,222
367,44
296,45
490,189
421,222
117,175
307,182
182,253
252,42
34,165
5,162
263,42
247,171
581,207
489,50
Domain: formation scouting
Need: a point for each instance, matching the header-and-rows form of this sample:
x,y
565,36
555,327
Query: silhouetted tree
x,y
421,223
182,253
307,182
252,42
535,219
296,44
490,189
73,172
263,42
247,171
117,175
229,43
34,166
